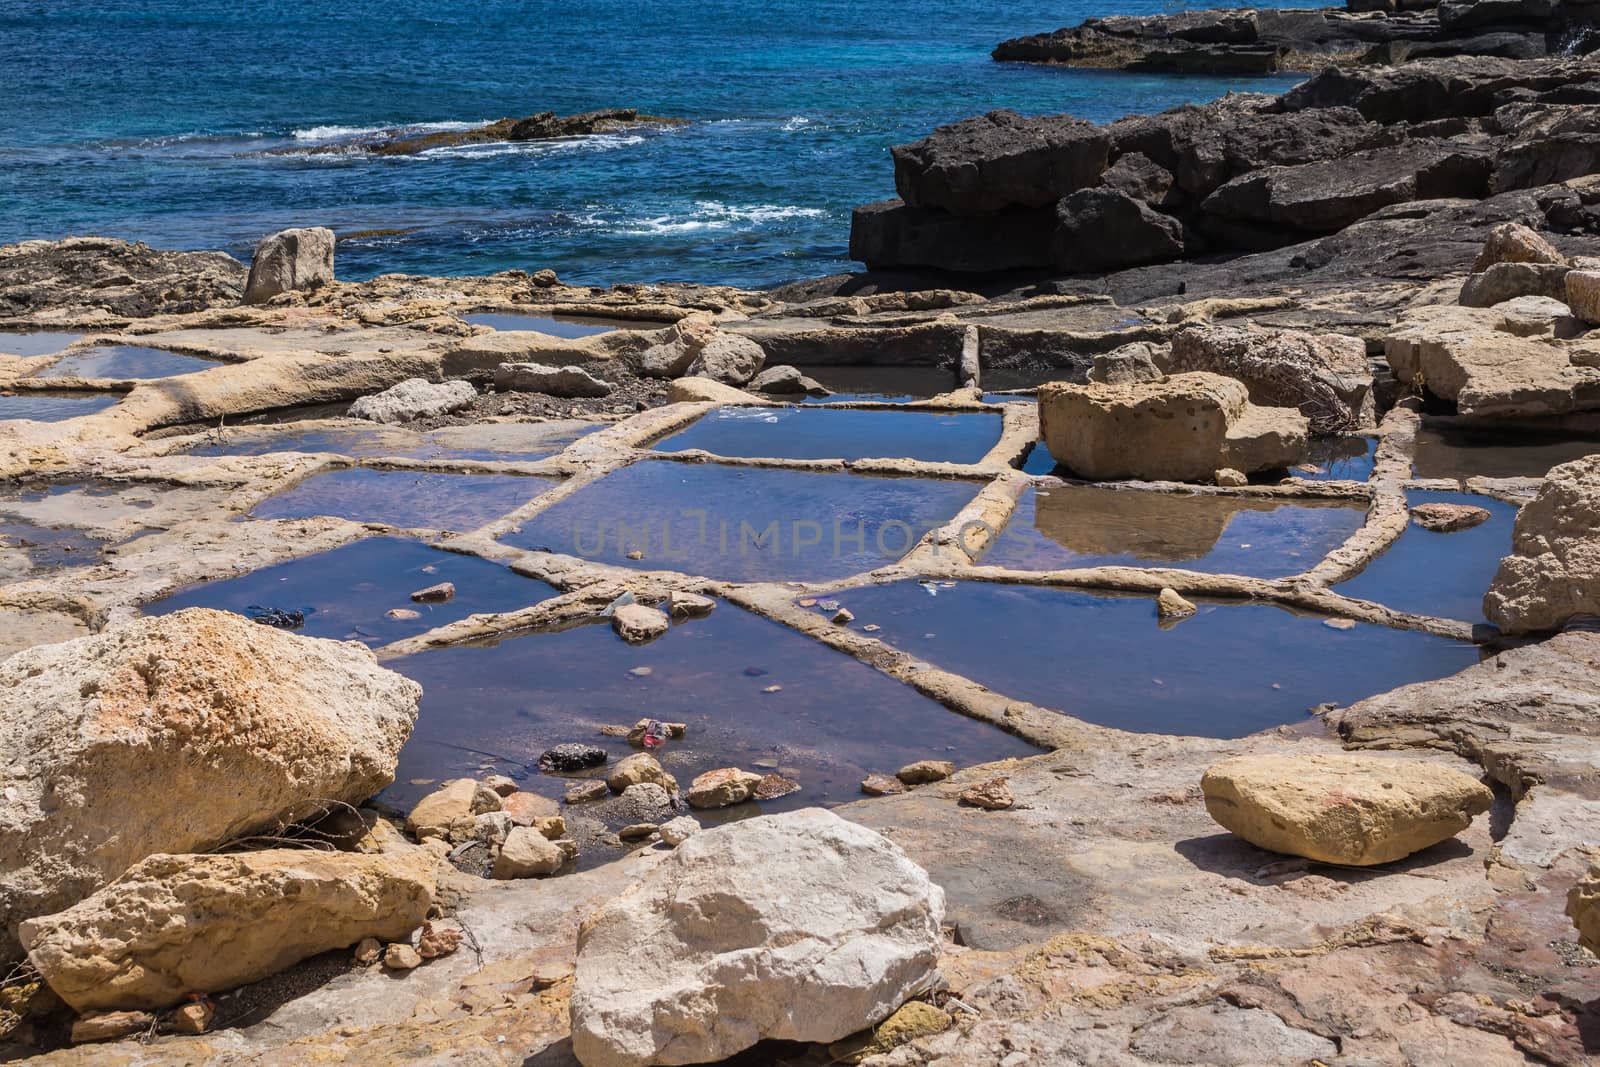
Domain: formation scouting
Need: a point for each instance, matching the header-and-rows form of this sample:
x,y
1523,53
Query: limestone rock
x,y
181,923
638,831
786,381
730,359
673,355
194,1018
435,594
1448,518
414,398
682,605
1553,572
528,854
1229,478
526,808
1583,908
638,624
640,768
721,788
584,792
1183,428
1170,605
174,734
648,801
774,786
676,831
1508,281
1130,363
455,801
822,928
552,381
110,1025
1325,376
924,771
1583,295
703,390
401,957
992,795
503,784
914,1019
297,260
1512,242
881,785
1342,808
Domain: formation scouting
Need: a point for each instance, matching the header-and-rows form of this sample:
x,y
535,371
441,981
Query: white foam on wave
x,y
714,215
343,133
598,142
796,122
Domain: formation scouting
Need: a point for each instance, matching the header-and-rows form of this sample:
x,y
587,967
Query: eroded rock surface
x,y
297,260
797,927
178,734
1553,572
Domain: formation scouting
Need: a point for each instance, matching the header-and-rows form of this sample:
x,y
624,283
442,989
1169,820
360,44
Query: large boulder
x,y
414,398
1324,375
1489,362
1499,282
180,924
1553,572
570,382
1512,242
1103,229
979,166
728,358
795,927
1583,295
671,356
1184,427
289,261
178,734
1583,908
892,234
1342,808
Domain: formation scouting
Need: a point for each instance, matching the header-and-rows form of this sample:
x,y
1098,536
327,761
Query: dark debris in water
x,y
281,618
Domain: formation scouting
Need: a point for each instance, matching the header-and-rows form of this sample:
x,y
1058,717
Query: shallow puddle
x,y
486,442
830,722
347,593
540,324
1461,453
744,523
817,433
1230,670
48,528
1443,574
883,385
52,407
1088,526
409,499
41,343
1338,458
29,550
126,362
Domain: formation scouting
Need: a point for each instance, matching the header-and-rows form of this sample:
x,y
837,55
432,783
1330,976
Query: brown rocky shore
x,y
1331,360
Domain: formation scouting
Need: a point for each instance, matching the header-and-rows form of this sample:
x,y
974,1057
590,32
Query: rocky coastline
x,y
1165,326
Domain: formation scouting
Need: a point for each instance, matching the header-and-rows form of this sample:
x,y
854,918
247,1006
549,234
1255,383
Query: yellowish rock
x,y
1342,808
461,799
912,1020
1583,908
173,925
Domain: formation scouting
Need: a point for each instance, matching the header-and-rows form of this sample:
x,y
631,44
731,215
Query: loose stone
x,y
722,787
368,949
773,786
503,784
1448,518
1170,605
641,768
993,795
528,854
110,1025
676,831
924,771
438,940
583,792
881,785
525,808
637,624
402,613
401,957
435,594
638,831
193,1018
684,605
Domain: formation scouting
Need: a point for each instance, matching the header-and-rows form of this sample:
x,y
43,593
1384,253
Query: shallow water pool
x,y
411,499
1443,574
40,343
347,593
53,407
1230,670
1088,526
126,362
819,433
744,523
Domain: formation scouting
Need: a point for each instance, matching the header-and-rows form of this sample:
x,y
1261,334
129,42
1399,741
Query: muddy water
x,y
744,524
409,499
831,721
555,327
52,407
41,343
1230,670
1087,526
125,362
348,593
1443,574
817,433
1452,452
885,385
486,442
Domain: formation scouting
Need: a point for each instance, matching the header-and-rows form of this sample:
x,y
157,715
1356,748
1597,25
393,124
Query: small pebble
x,y
843,616
401,957
1339,624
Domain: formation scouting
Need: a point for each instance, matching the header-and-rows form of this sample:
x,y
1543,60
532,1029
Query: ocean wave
x,y
345,133
796,122
597,142
714,215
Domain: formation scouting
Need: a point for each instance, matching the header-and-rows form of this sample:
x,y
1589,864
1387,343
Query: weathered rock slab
x,y
176,924
414,398
1553,572
797,927
293,260
1347,809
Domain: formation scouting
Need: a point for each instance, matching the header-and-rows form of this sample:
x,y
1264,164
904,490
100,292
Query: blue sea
x,y
161,121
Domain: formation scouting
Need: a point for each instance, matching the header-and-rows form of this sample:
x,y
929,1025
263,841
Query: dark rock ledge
x,y
544,126
1248,173
1266,40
